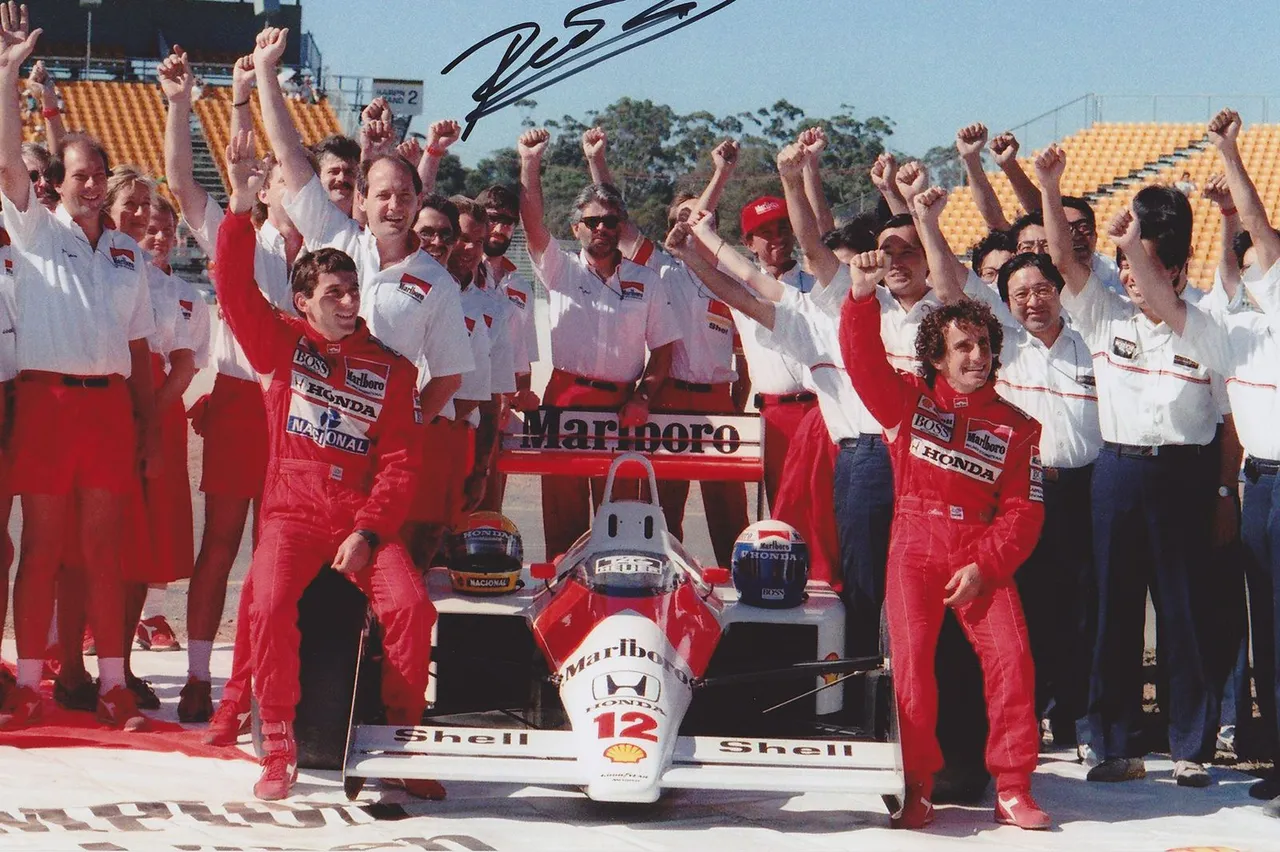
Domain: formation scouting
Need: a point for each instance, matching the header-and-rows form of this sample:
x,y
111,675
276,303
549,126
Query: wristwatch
x,y
1224,491
370,537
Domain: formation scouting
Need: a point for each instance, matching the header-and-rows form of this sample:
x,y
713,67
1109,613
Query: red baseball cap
x,y
762,211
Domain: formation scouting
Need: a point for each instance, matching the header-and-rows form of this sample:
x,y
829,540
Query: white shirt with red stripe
x,y
1152,390
411,306
601,327
1245,347
270,272
77,306
475,385
772,372
8,313
503,282
1056,386
478,304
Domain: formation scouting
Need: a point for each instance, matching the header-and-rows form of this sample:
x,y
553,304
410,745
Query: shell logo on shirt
x,y
718,316
517,298
122,258
414,287
632,289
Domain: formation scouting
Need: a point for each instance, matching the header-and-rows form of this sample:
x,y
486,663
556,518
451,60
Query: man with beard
x,y
605,311
338,163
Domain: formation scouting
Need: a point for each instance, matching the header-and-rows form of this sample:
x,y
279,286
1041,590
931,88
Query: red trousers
x,y
233,422
805,496
288,557
448,456
781,420
921,562
566,500
725,503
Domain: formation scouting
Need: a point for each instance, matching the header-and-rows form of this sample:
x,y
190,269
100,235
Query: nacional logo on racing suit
x,y
309,359
321,392
987,439
953,460
626,648
325,426
368,377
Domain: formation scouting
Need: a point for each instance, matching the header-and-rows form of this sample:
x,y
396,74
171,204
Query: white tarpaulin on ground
x,y
101,799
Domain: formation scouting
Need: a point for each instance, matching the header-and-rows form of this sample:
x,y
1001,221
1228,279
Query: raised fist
x,y
971,140
376,110
912,179
1125,231
1050,164
725,155
17,39
376,137
411,150
1217,191
678,240
928,205
814,139
1004,148
442,134
242,78
791,159
1224,128
39,81
244,170
533,143
703,224
269,47
175,76
883,173
869,266
594,143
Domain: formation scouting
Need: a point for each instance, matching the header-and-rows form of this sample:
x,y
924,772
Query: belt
x,y
70,381
1139,452
860,439
1253,468
763,399
696,387
612,387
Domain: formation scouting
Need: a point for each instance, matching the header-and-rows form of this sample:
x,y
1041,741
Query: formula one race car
x,y
629,669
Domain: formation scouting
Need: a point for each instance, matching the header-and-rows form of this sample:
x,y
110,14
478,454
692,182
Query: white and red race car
x,y
624,667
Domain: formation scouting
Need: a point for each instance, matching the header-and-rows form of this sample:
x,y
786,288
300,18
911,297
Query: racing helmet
x,y
770,565
485,555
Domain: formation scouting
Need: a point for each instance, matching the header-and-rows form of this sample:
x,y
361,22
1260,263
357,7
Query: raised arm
x,y
884,173
1005,149
724,159
440,136
814,141
681,243
793,163
17,41
911,180
880,387
377,137
946,274
969,142
282,136
595,145
530,147
242,82
176,81
1218,192
1224,130
1050,164
1157,294
42,88
738,266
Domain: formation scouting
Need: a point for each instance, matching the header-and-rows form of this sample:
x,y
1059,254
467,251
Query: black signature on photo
x,y
529,64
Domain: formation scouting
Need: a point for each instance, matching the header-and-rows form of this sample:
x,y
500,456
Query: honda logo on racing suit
x,y
626,683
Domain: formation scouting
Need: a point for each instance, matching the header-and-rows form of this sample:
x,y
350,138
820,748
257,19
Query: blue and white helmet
x,y
770,565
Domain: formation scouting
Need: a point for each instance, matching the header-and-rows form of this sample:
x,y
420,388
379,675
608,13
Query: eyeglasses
x,y
1080,226
1042,292
1033,246
610,222
501,219
444,235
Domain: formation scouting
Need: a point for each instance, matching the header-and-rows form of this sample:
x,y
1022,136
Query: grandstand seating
x,y
1105,153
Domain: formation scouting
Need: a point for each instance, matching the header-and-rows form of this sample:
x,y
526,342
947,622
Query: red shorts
x,y
67,437
7,392
448,456
693,398
566,390
804,496
234,427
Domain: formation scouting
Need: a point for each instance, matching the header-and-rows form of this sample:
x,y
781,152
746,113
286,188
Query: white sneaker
x,y
1086,755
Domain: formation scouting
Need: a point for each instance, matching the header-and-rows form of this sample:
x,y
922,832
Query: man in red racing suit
x,y
344,451
968,508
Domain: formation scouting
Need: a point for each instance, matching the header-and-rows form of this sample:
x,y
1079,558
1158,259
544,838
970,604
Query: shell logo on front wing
x,y
625,753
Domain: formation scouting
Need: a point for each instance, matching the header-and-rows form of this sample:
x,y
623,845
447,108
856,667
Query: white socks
x,y
110,673
29,672
199,653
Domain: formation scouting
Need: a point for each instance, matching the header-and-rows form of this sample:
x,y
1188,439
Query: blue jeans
x,y
863,494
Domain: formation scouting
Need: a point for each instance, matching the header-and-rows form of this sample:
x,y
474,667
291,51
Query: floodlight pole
x,y
88,43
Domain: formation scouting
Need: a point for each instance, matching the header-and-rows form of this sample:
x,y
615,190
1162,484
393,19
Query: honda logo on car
x,y
554,429
626,648
636,684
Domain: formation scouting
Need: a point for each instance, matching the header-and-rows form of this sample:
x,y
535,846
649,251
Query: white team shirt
x,y
77,306
270,273
481,306
475,385
600,328
502,281
8,314
1151,390
1109,274
1245,347
1056,386
412,306
704,352
771,371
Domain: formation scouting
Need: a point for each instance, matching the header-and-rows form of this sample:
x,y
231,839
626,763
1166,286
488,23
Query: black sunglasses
x,y
610,222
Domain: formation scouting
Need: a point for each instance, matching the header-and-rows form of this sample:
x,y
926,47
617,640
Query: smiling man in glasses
x,y
605,310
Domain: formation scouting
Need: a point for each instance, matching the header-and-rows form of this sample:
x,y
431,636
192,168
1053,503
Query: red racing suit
x,y
344,451
967,489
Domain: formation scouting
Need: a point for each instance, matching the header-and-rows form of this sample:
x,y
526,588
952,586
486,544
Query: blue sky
x,y
929,66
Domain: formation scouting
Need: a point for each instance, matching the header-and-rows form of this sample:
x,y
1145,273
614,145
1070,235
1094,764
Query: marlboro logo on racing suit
x,y
987,439
953,460
368,377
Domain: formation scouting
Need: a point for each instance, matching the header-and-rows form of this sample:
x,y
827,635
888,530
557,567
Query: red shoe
x,y
228,724
118,708
916,811
279,762
87,646
155,634
195,702
22,708
1016,807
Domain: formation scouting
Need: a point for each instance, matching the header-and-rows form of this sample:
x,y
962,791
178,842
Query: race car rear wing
x,y
522,756
681,446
